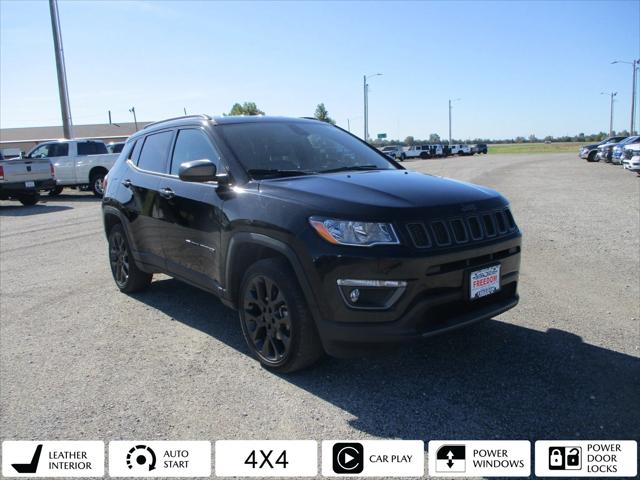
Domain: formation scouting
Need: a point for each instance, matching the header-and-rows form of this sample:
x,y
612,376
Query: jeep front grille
x,y
462,230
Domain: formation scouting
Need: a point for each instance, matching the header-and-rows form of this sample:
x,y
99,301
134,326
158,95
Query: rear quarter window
x,y
91,148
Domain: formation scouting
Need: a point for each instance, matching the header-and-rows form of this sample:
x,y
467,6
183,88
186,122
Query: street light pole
x,y
365,87
634,65
67,124
135,120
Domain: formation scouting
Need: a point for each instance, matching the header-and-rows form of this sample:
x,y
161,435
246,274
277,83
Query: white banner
x,y
266,458
479,458
159,459
586,458
52,459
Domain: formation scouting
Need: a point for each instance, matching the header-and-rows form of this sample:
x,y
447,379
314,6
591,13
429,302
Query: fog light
x,y
354,295
371,294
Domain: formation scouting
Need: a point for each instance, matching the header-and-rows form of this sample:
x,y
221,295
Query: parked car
x,y
480,148
115,147
77,163
394,151
617,152
589,152
24,179
605,151
320,241
631,160
460,149
418,151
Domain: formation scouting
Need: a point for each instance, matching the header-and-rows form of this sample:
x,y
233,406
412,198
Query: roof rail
x,y
200,115
309,118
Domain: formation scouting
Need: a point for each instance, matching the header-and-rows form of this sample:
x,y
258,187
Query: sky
x,y
518,68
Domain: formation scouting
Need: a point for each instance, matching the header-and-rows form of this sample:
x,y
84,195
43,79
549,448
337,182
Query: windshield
x,y
289,148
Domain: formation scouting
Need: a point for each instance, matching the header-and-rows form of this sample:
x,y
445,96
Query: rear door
x,y
148,164
192,212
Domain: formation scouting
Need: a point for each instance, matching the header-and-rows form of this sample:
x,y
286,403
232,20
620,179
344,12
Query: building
x,y
28,137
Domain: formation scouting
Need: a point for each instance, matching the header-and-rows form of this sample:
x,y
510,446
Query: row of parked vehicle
x,y
434,150
54,165
620,150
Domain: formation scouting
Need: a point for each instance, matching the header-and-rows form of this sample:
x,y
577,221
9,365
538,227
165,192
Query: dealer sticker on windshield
x,y
484,282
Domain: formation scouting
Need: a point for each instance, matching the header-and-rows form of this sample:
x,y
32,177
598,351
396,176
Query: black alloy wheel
x,y
267,321
119,258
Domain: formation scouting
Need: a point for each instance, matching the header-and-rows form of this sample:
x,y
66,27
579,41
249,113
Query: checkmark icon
x,y
29,467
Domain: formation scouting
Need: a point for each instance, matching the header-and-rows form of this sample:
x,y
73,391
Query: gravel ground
x,y
80,360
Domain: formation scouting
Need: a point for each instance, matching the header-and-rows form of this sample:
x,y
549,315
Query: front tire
x,y
275,320
592,157
54,192
128,277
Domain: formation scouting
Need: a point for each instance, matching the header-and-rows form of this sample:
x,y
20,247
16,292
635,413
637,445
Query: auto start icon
x,y
141,456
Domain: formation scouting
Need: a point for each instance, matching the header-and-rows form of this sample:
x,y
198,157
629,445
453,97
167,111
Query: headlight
x,y
351,232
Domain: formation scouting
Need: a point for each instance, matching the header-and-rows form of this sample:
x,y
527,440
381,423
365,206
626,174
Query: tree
x,y
323,115
409,140
434,138
247,108
533,138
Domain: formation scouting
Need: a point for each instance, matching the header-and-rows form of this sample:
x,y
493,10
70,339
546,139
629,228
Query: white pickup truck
x,y
23,179
77,163
460,149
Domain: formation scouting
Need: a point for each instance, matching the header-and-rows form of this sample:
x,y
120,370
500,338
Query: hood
x,y
399,189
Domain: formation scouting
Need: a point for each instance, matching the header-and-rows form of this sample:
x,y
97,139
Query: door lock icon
x,y
565,458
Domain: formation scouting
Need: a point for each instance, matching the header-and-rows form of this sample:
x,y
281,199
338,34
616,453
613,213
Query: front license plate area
x,y
29,184
483,282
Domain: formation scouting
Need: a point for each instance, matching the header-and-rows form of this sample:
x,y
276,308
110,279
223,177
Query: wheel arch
x,y
246,248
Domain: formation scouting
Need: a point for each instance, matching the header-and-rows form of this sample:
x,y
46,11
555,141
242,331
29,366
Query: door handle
x,y
167,193
127,183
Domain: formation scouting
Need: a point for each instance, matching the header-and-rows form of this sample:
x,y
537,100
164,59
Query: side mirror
x,y
198,171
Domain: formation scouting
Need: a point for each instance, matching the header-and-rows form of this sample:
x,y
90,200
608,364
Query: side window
x,y
59,150
192,144
127,149
41,152
91,148
155,152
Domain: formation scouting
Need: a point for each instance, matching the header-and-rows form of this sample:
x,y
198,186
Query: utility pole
x,y
612,94
67,124
634,65
135,120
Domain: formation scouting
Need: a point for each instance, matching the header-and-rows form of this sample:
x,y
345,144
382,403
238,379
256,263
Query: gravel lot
x,y
80,360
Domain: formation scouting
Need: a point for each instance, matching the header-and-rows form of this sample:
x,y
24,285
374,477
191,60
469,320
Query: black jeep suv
x,y
321,242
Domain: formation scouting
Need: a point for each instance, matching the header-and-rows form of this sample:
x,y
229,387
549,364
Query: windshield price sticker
x,y
266,458
159,459
482,458
586,458
52,459
373,458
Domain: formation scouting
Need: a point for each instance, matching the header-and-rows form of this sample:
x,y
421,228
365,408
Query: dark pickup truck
x,y
321,242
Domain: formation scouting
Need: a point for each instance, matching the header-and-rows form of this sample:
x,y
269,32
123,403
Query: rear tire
x,y
29,199
128,277
97,182
54,192
275,319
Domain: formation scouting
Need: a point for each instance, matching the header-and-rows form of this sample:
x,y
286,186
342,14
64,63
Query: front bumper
x,y
633,164
434,301
15,188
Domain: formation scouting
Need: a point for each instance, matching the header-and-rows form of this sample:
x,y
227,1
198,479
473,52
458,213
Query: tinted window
x,y
155,152
191,144
58,149
298,146
91,148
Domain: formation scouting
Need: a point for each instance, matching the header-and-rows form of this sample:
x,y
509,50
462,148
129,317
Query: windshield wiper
x,y
352,167
274,173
